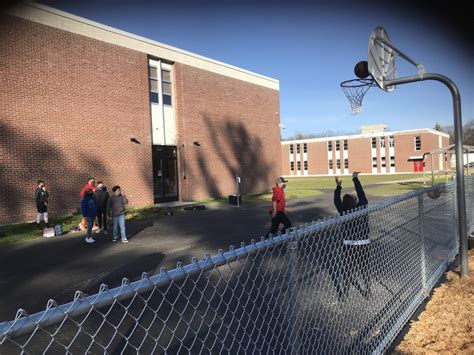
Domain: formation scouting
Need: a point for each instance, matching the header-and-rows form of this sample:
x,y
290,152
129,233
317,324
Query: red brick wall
x,y
285,160
317,158
235,124
70,105
359,153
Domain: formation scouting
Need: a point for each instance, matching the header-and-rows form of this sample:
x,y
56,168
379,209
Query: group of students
x,y
97,203
352,241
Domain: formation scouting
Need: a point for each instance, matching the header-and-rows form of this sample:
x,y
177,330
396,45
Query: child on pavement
x,y
116,207
102,197
41,198
89,211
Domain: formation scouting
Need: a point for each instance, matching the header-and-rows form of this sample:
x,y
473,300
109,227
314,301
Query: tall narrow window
x,y
153,80
383,162
338,146
391,141
346,163
305,148
166,82
292,166
298,165
345,144
374,142
382,142
330,164
392,162
417,143
338,163
291,148
298,149
305,165
329,146
374,162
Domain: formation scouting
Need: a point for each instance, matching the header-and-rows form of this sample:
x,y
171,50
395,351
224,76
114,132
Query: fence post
x,y
421,224
292,288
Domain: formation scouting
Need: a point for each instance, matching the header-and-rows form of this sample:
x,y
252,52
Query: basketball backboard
x,y
381,61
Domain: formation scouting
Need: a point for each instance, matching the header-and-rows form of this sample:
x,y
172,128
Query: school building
x,y
81,99
374,151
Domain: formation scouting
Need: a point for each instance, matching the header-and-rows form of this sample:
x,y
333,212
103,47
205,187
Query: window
x,y
338,146
338,163
305,165
417,143
391,141
345,144
153,80
374,142
298,165
292,165
291,148
374,162
392,161
298,149
166,82
330,164
346,163
382,142
305,148
329,146
383,162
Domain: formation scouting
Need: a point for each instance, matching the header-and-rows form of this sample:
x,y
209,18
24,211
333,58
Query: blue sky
x,y
310,48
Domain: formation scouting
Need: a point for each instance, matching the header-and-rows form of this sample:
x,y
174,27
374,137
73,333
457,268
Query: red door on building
x,y
417,166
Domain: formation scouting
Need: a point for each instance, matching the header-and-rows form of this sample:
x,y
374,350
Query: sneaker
x,y
98,230
90,240
105,232
125,240
115,239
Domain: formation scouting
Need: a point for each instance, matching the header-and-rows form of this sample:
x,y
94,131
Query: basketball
x,y
361,69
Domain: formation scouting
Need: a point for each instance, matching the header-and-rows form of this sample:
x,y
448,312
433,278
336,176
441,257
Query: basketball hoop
x,y
355,90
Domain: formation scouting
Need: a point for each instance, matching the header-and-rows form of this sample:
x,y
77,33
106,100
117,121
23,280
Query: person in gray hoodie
x,y
116,207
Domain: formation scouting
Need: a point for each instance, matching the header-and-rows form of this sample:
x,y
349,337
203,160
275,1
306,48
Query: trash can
x,y
235,200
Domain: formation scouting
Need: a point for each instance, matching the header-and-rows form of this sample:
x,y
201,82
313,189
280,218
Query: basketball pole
x,y
460,190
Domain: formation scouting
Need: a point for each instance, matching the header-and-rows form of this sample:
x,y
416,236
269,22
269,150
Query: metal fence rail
x,y
302,292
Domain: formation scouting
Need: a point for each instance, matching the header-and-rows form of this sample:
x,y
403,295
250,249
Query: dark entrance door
x,y
165,173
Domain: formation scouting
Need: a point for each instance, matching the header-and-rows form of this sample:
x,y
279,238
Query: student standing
x,y
116,207
41,198
102,197
89,211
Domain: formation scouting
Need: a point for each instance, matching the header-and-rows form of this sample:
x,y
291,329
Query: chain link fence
x,y
307,291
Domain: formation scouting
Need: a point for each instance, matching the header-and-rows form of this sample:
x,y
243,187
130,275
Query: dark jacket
x,y
116,204
89,206
102,196
356,228
41,198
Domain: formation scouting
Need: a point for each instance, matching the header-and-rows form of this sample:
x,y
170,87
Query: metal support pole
x,y
293,292
460,190
237,192
421,225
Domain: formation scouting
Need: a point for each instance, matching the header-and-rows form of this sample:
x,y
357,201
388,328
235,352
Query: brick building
x,y
374,151
83,99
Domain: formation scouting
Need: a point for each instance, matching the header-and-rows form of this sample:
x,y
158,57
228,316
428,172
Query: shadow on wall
x,y
236,150
26,158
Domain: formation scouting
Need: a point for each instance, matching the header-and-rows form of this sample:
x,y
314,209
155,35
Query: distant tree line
x,y
467,132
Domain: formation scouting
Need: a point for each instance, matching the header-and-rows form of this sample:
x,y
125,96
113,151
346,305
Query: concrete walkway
x,y
54,268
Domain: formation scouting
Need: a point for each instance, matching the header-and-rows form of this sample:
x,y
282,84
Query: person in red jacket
x,y
277,209
89,186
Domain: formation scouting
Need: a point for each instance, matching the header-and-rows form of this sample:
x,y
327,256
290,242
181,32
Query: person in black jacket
x,y
354,236
102,197
41,198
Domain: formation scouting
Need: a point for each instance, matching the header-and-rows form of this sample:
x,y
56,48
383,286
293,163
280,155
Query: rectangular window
x,y
298,149
345,144
305,148
153,82
338,146
392,161
346,163
292,166
330,164
305,165
374,142
298,165
291,148
338,163
374,162
382,142
329,146
166,85
383,162
417,143
391,141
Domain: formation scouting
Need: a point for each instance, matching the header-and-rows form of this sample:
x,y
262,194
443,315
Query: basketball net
x,y
355,90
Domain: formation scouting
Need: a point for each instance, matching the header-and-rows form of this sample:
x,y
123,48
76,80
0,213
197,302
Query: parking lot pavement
x,y
54,268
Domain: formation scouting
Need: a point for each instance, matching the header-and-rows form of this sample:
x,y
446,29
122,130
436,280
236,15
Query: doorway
x,y
165,173
418,166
